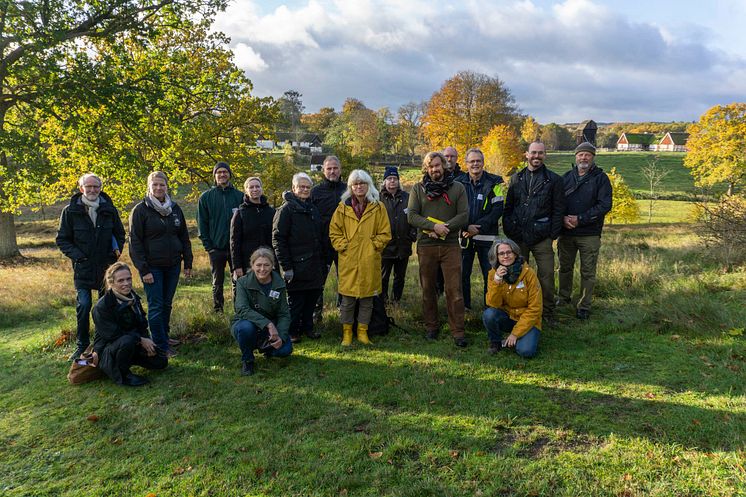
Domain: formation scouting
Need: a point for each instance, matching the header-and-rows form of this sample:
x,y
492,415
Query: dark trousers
x,y
125,352
83,306
497,322
567,249
544,255
399,267
330,259
447,258
248,335
218,259
302,304
481,250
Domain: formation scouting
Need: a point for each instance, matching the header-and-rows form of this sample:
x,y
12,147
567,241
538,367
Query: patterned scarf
x,y
514,271
163,208
359,207
436,189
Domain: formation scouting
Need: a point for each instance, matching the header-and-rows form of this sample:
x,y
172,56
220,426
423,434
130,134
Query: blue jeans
x,y
498,322
467,262
160,295
247,335
84,304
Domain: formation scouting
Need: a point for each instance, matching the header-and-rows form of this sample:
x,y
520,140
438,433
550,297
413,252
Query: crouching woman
x,y
513,301
122,338
262,317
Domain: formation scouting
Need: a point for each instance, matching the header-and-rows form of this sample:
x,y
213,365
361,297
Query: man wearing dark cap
x,y
588,199
214,212
534,206
396,254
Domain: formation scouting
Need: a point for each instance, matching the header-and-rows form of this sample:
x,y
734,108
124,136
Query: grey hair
x,y
265,252
299,176
81,180
249,180
474,151
156,174
357,176
330,158
502,241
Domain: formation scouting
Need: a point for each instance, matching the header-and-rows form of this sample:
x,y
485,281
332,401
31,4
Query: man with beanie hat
x,y
396,254
214,212
588,197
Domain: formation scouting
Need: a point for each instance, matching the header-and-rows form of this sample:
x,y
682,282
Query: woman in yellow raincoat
x,y
359,231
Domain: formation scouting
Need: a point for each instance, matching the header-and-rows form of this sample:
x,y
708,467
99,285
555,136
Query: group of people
x,y
280,259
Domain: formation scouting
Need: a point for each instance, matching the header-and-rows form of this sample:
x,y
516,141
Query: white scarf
x,y
163,208
92,207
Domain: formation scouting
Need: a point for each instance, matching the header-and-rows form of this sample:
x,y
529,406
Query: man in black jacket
x,y
325,196
588,195
532,217
396,254
91,235
484,192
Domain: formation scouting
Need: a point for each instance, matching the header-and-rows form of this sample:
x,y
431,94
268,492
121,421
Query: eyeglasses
x,y
303,187
476,161
449,156
360,184
504,254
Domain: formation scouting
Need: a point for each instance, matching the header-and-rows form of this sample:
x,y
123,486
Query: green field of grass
x,y
645,399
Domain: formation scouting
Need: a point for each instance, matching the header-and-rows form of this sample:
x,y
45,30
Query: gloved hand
x,y
288,276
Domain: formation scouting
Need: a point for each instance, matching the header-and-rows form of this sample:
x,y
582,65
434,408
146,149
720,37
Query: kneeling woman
x,y
513,301
122,338
262,317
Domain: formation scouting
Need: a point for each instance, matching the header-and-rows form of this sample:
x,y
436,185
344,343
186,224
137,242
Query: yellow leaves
x,y
624,207
530,130
502,150
735,332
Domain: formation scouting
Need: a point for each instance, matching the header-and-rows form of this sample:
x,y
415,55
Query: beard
x,y
584,166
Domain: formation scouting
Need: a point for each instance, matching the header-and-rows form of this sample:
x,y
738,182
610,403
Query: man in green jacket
x,y
439,209
214,212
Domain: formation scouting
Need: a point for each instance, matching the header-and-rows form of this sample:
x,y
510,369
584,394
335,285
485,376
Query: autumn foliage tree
x,y
502,150
624,207
717,147
465,109
530,130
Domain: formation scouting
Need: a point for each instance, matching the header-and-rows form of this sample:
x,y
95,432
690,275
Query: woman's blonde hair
x,y
112,270
249,180
154,175
265,252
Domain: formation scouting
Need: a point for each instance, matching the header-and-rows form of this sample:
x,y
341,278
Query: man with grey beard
x,y
588,199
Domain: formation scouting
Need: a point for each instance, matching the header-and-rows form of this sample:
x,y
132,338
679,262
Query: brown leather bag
x,y
84,369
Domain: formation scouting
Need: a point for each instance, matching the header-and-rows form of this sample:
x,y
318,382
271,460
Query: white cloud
x,y
563,60
248,59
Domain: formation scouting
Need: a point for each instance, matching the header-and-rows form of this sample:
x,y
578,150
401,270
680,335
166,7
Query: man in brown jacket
x,y
438,209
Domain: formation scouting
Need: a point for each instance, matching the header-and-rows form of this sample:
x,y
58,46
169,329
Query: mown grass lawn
x,y
647,398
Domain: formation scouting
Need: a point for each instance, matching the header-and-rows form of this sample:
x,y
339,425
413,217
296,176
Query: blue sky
x,y
563,60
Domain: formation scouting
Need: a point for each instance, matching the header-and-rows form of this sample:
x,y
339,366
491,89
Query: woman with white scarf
x,y
159,242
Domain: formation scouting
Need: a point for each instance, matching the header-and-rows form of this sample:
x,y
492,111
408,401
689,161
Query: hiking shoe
x,y
432,335
582,314
247,368
460,342
494,348
134,380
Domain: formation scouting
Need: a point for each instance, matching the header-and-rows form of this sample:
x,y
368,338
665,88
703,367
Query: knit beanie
x,y
222,165
390,171
585,147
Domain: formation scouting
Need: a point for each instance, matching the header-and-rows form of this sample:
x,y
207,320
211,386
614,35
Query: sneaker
x,y
432,335
494,348
583,314
460,342
247,368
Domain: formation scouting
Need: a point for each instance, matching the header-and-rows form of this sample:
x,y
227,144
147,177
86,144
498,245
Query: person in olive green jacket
x,y
262,316
359,231
215,210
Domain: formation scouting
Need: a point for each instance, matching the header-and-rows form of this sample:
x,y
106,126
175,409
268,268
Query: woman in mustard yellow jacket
x,y
513,301
359,231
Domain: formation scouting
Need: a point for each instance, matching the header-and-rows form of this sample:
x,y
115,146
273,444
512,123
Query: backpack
x,y
380,322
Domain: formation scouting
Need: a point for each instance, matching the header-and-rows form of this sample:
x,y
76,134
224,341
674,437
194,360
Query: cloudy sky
x,y
564,61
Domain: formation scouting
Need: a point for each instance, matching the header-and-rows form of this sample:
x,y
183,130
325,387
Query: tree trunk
x,y
8,244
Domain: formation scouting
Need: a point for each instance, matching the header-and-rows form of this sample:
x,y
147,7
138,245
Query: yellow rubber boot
x,y
362,334
346,335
